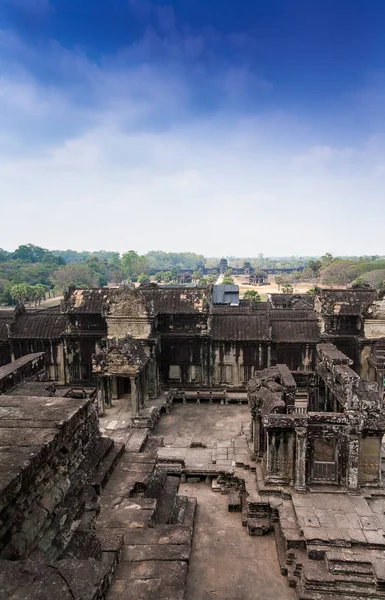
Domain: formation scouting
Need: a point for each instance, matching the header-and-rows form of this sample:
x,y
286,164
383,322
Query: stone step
x,y
137,440
179,509
190,511
149,580
90,464
163,552
281,549
167,499
130,513
106,467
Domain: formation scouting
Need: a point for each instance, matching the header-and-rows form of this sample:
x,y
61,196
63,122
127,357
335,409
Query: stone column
x,y
145,386
353,459
134,398
268,355
60,358
300,463
114,388
100,396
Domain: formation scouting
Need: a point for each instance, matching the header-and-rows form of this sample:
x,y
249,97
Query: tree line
x,y
35,268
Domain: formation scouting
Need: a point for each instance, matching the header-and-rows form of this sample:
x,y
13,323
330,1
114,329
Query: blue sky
x,y
213,126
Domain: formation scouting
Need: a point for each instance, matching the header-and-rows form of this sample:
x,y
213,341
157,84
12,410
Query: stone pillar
x,y
114,388
134,398
100,396
268,355
153,383
353,459
107,390
145,387
300,466
60,358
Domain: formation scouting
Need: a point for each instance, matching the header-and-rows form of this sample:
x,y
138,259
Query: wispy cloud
x,y
167,143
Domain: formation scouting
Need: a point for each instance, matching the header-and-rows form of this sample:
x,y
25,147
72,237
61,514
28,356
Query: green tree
x,y
211,278
279,281
143,278
228,281
287,288
158,277
327,259
133,264
77,275
315,266
228,273
20,293
197,275
252,295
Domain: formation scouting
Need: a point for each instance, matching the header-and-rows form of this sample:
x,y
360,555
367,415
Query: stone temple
x,y
177,443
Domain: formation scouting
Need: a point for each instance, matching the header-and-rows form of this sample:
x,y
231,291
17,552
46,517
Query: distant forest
x,y
30,272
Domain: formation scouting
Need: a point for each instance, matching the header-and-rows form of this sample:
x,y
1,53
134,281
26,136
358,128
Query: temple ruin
x,y
178,443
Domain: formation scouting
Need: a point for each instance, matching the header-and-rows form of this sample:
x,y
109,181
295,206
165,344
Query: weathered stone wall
x,y
44,442
27,368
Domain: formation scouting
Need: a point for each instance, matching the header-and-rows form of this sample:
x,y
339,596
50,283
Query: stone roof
x,y
177,300
271,402
86,301
294,325
239,326
352,302
296,301
295,331
43,326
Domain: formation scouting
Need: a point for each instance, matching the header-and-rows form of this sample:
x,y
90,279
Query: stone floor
x,y
118,416
201,423
226,563
332,518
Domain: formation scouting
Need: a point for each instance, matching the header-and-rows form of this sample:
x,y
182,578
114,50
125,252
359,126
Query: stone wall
x,y
30,367
44,443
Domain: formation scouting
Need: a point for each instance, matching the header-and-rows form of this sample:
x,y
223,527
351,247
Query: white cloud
x,y
118,156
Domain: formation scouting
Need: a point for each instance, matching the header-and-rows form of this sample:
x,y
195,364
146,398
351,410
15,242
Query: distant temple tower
x,y
223,266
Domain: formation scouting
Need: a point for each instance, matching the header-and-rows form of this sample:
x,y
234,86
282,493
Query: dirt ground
x,y
272,288
226,562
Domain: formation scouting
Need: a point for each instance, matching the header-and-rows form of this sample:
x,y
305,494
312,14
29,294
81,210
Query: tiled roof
x,y
295,301
295,331
177,300
38,326
239,326
290,314
86,301
248,308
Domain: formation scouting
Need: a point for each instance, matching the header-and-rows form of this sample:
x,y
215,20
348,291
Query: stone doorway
x,y
324,467
123,387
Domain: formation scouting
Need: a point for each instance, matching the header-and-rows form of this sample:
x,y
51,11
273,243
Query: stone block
x,y
258,526
234,502
161,552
